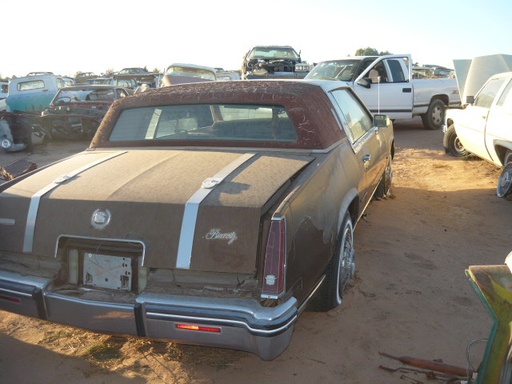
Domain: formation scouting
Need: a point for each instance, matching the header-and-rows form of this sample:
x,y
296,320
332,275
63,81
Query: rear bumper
x,y
241,323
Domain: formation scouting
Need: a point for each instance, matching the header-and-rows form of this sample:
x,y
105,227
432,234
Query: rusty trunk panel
x,y
145,192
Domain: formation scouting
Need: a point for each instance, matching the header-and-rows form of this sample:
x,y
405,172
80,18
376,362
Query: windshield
x,y
211,122
334,70
273,53
132,71
191,72
79,95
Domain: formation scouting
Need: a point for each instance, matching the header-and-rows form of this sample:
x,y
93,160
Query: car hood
x,y
198,210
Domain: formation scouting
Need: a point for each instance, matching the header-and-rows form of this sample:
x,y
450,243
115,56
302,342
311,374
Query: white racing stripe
x,y
188,226
30,228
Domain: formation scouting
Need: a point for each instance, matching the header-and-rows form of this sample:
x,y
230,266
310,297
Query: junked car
x,y
76,112
141,75
180,73
208,213
4,87
33,93
274,62
482,128
129,84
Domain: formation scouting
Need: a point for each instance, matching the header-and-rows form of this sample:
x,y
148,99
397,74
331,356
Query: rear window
x,y
205,122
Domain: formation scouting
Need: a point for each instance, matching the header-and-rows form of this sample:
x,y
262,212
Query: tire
x,y
384,187
339,272
452,144
434,118
504,189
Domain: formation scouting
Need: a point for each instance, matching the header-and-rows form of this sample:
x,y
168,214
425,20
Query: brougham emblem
x,y
100,219
215,234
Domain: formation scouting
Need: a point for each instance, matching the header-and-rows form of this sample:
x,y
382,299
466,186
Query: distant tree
x,y
155,70
109,72
370,52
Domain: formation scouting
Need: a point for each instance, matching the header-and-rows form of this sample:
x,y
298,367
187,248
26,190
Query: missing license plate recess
x,y
104,271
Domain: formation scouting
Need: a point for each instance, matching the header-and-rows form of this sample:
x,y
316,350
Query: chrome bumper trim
x,y
244,324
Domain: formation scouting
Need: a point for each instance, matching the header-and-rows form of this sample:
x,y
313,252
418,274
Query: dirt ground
x,y
410,296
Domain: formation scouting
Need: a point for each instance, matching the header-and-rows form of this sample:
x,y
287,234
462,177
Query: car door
x,y
471,125
367,141
389,91
499,121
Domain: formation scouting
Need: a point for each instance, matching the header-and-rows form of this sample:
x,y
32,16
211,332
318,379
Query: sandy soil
x,y
410,296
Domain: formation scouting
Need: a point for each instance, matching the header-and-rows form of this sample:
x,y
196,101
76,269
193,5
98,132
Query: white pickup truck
x,y
386,86
483,128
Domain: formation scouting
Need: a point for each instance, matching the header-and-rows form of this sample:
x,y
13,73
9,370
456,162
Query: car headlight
x,y
302,67
6,144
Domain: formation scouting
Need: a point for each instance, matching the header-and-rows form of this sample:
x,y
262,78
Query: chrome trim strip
x,y
11,292
33,281
7,221
28,240
111,239
188,224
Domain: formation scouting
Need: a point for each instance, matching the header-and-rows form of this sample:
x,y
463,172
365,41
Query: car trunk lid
x,y
195,210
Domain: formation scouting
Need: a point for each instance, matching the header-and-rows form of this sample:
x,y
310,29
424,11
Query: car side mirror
x,y
470,99
367,83
381,121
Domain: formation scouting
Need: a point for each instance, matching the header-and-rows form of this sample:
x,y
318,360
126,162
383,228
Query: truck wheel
x,y
339,272
434,118
504,189
452,144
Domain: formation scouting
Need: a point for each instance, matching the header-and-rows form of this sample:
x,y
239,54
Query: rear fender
x,y
349,204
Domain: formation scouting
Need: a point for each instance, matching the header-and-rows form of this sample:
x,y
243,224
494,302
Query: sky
x,y
66,37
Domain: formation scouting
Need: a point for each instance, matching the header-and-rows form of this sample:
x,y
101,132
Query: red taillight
x,y
11,299
275,260
194,327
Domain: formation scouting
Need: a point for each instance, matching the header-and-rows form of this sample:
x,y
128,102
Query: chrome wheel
x,y
346,264
504,189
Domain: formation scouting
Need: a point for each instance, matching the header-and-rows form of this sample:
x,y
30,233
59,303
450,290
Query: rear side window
x,y
506,97
354,117
396,71
30,85
487,94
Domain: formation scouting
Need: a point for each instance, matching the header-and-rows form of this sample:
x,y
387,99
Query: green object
x,y
493,284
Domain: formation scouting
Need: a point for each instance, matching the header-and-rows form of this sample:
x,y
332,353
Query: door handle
x,y
366,161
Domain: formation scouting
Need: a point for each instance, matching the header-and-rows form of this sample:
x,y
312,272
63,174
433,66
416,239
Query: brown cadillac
x,y
209,213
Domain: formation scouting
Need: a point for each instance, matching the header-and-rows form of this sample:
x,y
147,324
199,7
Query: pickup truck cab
x,y
33,93
386,86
